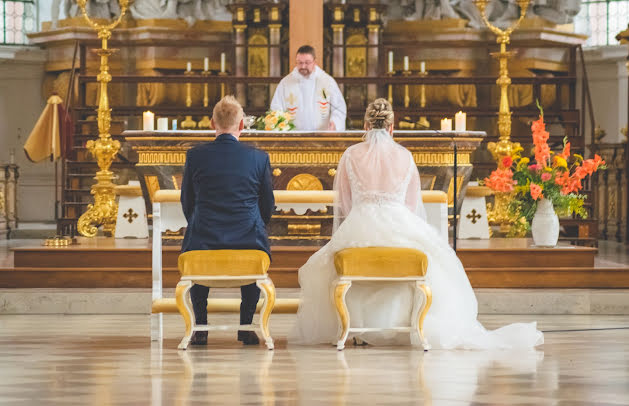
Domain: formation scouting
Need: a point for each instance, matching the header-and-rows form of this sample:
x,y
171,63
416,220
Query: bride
x,y
379,204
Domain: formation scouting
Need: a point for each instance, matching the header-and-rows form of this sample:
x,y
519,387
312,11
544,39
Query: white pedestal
x,y
131,221
473,215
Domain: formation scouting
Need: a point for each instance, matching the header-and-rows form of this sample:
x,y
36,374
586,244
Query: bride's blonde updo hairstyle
x,y
379,114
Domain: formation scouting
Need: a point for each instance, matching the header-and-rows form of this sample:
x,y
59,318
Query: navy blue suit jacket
x,y
227,196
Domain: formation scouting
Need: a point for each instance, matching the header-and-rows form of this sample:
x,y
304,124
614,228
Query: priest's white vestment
x,y
314,101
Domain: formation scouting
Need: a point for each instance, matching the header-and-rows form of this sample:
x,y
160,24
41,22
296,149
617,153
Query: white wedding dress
x,y
379,204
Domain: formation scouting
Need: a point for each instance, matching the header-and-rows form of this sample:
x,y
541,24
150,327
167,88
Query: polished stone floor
x,y
108,359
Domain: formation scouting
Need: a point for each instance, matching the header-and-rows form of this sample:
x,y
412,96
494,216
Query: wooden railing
x,y
612,192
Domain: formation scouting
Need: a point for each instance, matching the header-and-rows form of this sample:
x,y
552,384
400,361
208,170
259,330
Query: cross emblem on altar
x,y
473,216
130,215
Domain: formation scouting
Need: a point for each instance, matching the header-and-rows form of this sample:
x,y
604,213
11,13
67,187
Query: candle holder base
x,y
205,123
188,123
423,124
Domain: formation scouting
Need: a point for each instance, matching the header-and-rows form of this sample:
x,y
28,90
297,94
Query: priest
x,y
311,96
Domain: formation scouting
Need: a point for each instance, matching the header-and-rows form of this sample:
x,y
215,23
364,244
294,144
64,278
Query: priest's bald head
x,y
227,117
305,60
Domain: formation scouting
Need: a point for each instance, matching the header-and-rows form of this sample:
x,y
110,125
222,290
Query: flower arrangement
x,y
553,176
275,121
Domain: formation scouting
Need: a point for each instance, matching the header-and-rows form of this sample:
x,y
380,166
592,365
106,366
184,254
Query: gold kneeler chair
x,y
224,269
382,264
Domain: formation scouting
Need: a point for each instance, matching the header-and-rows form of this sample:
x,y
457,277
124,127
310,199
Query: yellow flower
x,y
523,162
560,162
579,157
282,126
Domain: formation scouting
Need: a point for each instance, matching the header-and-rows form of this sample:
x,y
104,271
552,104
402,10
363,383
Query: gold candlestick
x,y
205,120
390,73
498,214
423,122
222,84
188,122
104,210
407,97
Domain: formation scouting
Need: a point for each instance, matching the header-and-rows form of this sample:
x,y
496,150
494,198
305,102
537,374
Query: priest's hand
x,y
331,126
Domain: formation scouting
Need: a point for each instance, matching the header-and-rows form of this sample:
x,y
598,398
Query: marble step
x,y
138,301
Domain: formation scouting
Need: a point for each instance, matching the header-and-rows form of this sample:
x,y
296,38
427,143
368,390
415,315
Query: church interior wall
x,y
607,76
21,103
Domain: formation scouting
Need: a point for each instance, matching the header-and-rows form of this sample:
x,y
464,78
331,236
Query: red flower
x,y
546,176
535,167
501,180
536,191
507,162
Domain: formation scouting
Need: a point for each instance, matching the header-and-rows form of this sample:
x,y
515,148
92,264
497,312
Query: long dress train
x,y
379,204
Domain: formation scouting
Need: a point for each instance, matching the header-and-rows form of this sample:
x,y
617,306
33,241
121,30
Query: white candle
x,y
174,125
12,156
206,64
406,63
222,62
148,121
390,61
188,66
162,124
459,121
446,124
422,67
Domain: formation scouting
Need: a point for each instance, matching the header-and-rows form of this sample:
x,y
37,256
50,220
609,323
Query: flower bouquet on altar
x,y
275,121
552,180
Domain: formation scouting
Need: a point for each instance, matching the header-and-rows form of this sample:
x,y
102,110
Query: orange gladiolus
x,y
536,191
500,180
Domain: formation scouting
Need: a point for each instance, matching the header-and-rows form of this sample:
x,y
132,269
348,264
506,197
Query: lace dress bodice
x,y
362,194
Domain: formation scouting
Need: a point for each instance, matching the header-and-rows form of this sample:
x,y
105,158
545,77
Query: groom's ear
x,y
241,126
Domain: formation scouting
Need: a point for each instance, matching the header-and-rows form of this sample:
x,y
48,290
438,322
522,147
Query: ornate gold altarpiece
x,y
305,161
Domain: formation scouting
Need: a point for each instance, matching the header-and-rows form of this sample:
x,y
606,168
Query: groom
x,y
227,198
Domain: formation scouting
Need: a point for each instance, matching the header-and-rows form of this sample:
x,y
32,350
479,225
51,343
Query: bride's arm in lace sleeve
x,y
343,195
414,192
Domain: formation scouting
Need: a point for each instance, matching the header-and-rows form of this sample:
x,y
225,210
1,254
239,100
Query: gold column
x,y
504,147
104,210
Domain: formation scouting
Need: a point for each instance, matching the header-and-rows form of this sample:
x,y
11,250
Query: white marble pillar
x,y
240,64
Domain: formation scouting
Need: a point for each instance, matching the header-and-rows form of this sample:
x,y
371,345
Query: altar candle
x,y
206,64
406,63
459,121
222,62
162,124
174,125
188,66
446,124
148,121
12,156
422,67
390,61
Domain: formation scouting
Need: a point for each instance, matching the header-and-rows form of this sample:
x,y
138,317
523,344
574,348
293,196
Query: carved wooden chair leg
x,y
427,302
184,305
340,290
268,290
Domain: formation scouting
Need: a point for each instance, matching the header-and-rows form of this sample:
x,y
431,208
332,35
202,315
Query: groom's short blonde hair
x,y
227,113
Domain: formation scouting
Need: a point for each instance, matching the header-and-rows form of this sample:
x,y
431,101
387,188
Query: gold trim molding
x,y
178,158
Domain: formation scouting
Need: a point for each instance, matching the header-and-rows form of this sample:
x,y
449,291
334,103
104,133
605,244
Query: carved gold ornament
x,y
104,210
304,181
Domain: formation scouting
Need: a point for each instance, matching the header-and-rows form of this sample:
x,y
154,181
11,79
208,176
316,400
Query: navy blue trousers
x,y
250,295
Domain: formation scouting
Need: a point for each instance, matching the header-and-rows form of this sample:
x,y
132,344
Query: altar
x,y
306,161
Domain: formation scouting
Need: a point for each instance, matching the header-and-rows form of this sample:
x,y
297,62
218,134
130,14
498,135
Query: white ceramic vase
x,y
545,225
